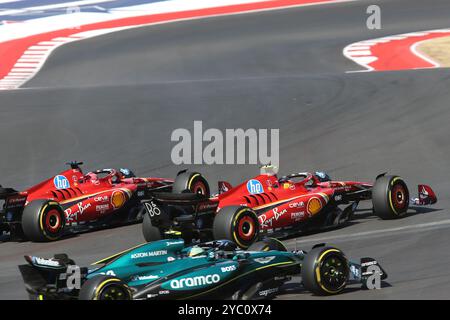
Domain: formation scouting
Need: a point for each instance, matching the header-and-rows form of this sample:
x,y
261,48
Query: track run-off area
x,y
113,101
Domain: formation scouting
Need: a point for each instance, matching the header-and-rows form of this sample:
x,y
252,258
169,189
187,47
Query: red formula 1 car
x,y
269,205
72,201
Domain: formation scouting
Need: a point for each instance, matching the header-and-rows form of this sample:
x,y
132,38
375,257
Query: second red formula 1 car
x,y
269,205
72,201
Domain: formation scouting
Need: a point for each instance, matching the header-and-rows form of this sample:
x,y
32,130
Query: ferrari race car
x,y
169,269
267,205
72,201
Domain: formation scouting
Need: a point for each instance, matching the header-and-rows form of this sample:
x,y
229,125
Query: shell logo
x,y
118,199
314,205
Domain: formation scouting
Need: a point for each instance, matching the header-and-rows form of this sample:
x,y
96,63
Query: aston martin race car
x,y
170,269
268,205
72,201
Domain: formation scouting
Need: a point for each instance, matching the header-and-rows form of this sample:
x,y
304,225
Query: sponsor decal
x,y
195,281
152,209
296,216
228,268
46,262
102,208
101,198
141,193
142,278
72,216
118,199
266,222
16,202
148,254
61,182
264,260
254,187
265,293
314,205
300,204
173,243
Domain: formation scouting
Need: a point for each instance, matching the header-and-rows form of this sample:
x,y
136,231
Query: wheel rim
x,y
399,197
53,221
333,272
114,292
246,228
199,188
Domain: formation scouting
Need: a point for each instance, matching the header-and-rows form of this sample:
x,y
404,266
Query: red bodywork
x,y
281,204
89,197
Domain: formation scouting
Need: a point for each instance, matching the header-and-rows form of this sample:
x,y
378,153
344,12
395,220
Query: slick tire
x,y
268,245
191,182
149,231
238,224
43,220
390,197
103,287
325,271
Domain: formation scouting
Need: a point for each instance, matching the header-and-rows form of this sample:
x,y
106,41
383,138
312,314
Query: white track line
x,y
373,232
360,52
44,48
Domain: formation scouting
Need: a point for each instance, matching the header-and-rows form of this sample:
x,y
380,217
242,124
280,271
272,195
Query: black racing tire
x,y
191,182
325,271
390,197
149,231
104,287
268,244
238,224
43,220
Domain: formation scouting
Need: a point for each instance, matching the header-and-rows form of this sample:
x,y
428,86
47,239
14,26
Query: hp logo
x,y
61,182
254,187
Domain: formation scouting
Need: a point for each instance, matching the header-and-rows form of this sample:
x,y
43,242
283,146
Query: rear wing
x,y
43,275
7,192
224,187
426,196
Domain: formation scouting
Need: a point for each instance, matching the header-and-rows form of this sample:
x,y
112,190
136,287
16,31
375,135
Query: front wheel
x,y
390,197
43,220
103,287
325,271
238,224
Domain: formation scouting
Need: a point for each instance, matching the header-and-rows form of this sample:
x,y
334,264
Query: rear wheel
x,y
238,224
325,271
43,220
150,232
104,288
390,197
191,182
268,244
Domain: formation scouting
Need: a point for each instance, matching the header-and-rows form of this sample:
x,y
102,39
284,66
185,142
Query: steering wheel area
x,y
303,178
104,175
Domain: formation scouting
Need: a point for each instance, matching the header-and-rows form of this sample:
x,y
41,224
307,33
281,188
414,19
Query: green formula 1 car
x,y
169,269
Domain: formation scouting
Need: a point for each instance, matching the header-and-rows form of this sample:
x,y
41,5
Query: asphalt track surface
x,y
114,101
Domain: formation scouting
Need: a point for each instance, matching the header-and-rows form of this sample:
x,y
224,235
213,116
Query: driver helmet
x,y
195,251
322,176
92,177
127,173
